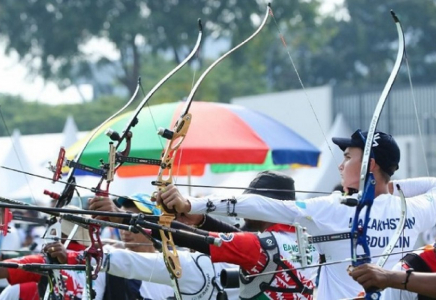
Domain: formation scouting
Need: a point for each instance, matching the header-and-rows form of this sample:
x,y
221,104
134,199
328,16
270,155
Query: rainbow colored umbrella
x,y
221,134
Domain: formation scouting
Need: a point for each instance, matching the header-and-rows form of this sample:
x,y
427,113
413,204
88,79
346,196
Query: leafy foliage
x,y
152,36
34,117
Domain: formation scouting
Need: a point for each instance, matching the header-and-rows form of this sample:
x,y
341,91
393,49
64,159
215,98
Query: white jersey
x,y
12,292
325,215
147,290
198,272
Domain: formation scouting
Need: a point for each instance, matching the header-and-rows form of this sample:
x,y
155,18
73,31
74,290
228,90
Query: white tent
x,y
70,132
45,147
17,159
30,153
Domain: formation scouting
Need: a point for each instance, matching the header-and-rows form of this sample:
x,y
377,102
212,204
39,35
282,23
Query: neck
x,y
142,248
381,187
267,225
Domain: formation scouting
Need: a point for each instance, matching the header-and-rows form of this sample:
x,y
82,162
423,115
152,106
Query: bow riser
x,y
176,137
366,194
359,239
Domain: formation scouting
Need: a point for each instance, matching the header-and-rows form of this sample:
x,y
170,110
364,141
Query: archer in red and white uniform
x,y
74,281
274,249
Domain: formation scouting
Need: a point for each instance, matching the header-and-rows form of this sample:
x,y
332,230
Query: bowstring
x,y
162,149
421,139
194,75
412,91
288,52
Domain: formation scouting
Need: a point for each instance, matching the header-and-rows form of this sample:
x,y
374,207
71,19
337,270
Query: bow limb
x,y
115,159
180,129
133,120
67,194
381,102
366,194
109,168
176,138
65,197
201,78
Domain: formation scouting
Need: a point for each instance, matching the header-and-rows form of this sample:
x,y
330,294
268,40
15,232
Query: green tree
x,y
54,31
35,118
50,35
364,44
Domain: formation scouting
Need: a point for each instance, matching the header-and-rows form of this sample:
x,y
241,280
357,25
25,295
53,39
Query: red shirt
x,y
19,276
244,249
429,256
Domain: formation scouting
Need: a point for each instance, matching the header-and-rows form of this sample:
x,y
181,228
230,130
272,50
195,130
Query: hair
x,y
386,177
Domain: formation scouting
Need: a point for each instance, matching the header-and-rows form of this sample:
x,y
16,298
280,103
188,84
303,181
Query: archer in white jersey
x,y
325,215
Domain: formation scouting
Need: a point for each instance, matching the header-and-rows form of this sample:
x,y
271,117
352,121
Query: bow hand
x,y
371,276
171,197
100,203
57,251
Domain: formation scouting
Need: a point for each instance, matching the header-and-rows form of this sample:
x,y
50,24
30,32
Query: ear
x,y
372,165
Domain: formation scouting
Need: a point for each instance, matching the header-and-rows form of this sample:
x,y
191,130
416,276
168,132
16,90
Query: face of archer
x,y
136,242
350,167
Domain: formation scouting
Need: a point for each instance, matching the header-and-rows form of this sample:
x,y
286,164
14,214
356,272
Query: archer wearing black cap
x,y
385,151
384,160
272,185
326,215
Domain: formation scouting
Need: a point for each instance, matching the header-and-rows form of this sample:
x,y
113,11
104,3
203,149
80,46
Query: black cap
x,y
385,149
270,180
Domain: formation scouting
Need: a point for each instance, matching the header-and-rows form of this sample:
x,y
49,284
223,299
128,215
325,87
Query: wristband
x,y
408,272
202,222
